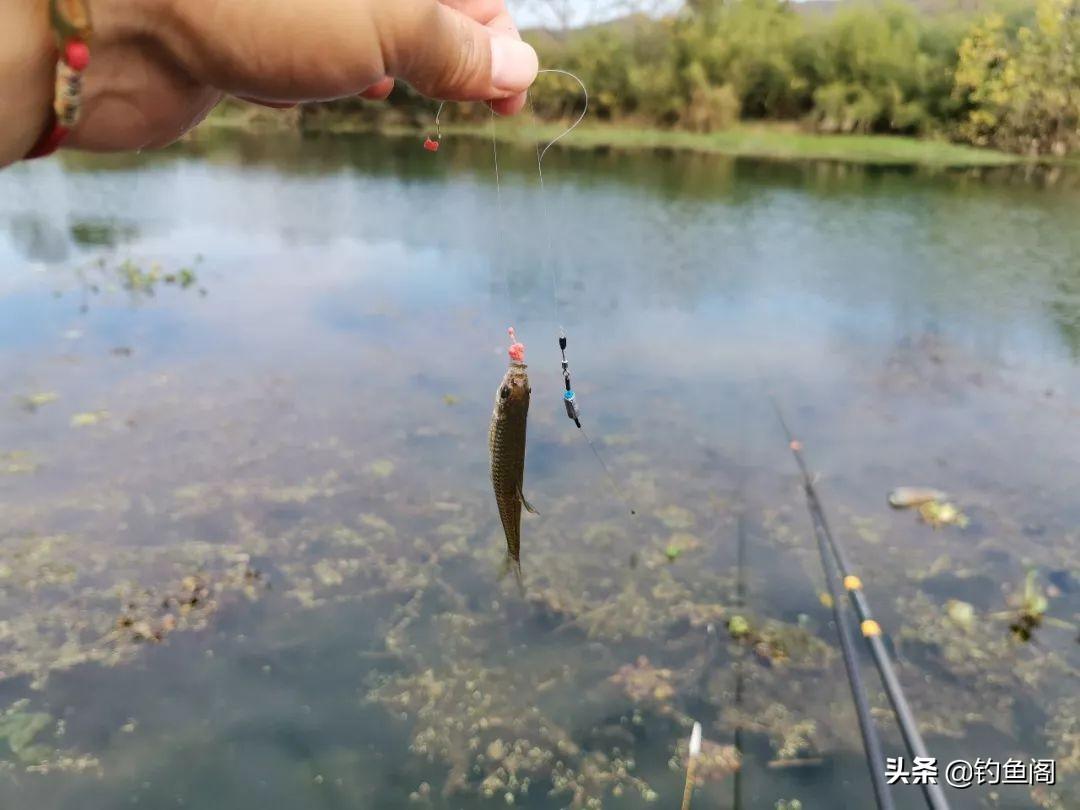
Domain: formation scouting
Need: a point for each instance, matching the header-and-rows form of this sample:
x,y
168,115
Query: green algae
x,y
19,729
17,462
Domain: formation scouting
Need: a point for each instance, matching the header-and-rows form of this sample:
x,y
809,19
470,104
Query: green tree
x,y
885,69
1021,89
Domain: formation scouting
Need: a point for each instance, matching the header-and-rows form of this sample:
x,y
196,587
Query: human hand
x,y
159,66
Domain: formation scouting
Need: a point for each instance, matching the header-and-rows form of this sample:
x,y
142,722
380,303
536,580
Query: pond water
x,y
249,556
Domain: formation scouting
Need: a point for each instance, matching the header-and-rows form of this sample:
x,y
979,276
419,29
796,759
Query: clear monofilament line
x,y
541,153
499,225
607,472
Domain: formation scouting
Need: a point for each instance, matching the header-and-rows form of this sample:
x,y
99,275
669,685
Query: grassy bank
x,y
773,141
763,141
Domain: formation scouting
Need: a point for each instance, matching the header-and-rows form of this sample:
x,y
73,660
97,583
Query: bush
x,y
1021,90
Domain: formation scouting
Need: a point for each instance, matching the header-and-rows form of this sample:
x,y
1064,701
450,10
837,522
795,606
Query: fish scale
x,y
506,443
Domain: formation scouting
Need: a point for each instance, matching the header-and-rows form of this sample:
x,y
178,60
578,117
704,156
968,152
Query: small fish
x,y
506,442
903,497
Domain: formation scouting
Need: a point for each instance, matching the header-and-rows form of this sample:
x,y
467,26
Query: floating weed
x,y
17,462
134,276
89,418
738,627
680,543
380,468
974,672
1029,608
136,279
32,402
942,513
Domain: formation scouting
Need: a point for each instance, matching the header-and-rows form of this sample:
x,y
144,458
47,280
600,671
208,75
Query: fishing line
x,y
500,226
541,153
569,397
432,145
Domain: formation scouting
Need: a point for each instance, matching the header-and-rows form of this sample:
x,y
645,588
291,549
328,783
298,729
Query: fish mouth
x,y
518,383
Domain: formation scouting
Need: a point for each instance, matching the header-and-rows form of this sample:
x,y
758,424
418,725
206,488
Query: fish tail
x,y
511,563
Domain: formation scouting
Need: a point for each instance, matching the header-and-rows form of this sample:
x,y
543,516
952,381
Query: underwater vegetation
x,y
503,719
183,530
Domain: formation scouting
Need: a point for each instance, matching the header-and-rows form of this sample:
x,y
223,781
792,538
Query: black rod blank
x,y
909,728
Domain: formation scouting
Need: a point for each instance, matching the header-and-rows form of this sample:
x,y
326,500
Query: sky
x,y
533,13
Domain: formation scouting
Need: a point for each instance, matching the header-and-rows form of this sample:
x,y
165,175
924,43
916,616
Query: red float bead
x,y
431,146
77,55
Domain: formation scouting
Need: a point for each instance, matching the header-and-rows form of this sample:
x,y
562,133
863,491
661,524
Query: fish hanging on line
x,y
506,443
509,505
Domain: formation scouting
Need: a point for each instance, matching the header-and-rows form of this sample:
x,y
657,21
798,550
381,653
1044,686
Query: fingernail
x,y
513,64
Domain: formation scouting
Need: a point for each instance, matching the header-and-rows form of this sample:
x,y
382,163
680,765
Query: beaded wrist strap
x,y
70,20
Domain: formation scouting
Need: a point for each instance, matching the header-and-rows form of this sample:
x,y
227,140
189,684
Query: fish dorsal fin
x,y
528,506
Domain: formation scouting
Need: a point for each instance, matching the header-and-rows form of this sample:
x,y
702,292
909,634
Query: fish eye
x,y
504,392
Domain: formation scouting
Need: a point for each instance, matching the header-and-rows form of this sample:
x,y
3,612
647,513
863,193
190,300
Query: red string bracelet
x,y
70,20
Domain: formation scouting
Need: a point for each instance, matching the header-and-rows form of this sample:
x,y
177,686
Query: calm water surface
x,y
248,553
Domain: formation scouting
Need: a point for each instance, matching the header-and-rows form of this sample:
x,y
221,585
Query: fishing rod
x,y
875,758
740,604
835,560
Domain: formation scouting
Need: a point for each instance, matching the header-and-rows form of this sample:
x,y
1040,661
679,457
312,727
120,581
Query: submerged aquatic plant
x,y
469,715
21,732
1063,734
19,729
63,606
645,684
715,762
791,732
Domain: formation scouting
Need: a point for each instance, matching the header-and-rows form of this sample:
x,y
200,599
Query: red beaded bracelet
x,y
70,20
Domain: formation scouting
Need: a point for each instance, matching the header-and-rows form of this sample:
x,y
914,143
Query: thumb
x,y
447,55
